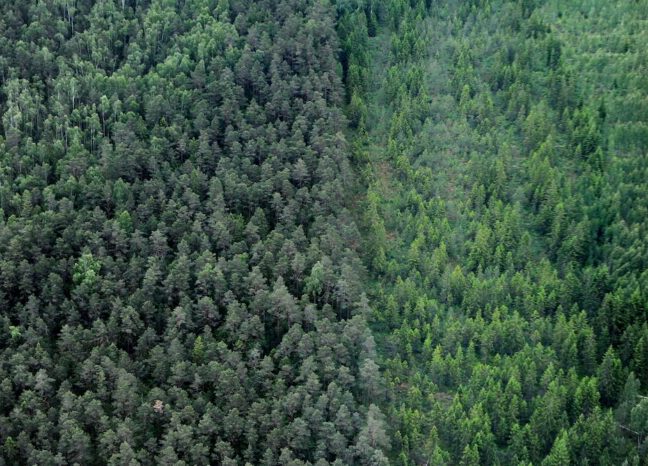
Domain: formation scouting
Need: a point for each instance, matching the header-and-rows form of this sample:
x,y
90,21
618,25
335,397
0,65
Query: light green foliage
x,y
86,270
495,170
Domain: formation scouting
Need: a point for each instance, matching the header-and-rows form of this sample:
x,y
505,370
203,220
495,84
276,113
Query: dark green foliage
x,y
179,278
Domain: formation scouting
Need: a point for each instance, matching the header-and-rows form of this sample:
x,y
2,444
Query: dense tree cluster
x,y
196,267
505,153
179,276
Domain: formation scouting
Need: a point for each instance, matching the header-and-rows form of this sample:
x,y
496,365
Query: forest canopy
x,y
324,232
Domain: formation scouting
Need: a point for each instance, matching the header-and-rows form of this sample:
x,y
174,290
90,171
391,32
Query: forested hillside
x,y
504,146
179,277
313,232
